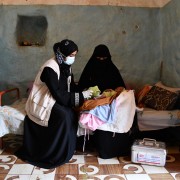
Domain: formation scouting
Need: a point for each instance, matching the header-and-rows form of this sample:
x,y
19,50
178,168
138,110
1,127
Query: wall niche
x,y
31,30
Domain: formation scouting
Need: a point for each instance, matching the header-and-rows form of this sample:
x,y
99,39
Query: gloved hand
x,y
87,94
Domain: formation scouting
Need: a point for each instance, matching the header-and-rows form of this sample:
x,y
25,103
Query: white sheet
x,y
12,118
151,119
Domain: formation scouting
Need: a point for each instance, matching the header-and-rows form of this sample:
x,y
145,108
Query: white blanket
x,y
12,118
124,113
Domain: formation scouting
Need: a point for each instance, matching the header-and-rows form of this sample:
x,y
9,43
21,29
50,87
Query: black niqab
x,y
102,73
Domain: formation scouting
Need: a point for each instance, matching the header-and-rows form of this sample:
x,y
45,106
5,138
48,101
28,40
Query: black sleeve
x,y
50,78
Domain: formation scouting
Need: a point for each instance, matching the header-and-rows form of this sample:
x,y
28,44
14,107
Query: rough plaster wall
x,y
132,35
171,44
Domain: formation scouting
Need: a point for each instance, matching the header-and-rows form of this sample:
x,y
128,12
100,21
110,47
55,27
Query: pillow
x,y
141,94
160,99
160,84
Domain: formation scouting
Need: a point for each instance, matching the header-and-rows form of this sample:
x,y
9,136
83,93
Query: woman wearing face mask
x,y
50,125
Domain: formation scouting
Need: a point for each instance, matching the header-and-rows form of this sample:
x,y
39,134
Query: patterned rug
x,y
86,166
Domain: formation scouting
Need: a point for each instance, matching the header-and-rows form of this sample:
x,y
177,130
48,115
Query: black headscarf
x,y
102,73
63,49
101,51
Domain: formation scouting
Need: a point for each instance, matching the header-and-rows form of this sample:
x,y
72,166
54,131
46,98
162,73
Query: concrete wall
x,y
136,36
170,24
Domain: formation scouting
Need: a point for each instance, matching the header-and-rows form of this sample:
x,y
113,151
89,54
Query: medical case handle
x,y
146,140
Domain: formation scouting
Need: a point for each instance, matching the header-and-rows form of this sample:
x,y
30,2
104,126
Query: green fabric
x,y
96,91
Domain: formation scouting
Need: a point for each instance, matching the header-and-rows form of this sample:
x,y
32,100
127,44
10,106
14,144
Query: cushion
x,y
160,99
160,84
141,94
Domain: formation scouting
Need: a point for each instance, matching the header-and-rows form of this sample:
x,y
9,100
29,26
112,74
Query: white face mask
x,y
69,60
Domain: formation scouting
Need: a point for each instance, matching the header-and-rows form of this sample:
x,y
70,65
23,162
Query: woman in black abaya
x,y
100,71
50,125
